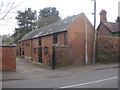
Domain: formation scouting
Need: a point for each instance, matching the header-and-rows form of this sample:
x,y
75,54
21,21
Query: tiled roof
x,y
59,26
112,27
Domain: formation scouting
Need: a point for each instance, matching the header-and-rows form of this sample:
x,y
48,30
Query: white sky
x,y
65,8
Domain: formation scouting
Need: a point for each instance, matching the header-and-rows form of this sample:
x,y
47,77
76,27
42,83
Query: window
x,y
39,41
22,45
46,50
65,39
34,50
28,44
55,38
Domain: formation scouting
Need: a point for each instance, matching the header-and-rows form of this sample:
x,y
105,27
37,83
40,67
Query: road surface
x,y
104,78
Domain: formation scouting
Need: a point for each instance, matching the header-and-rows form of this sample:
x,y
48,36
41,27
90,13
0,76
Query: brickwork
x,y
46,41
74,52
8,58
102,31
74,37
34,54
27,48
76,40
103,17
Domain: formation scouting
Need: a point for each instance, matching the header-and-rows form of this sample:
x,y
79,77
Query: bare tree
x,y
6,8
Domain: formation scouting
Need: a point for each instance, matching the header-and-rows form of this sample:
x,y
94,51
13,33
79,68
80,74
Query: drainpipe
x,y
86,43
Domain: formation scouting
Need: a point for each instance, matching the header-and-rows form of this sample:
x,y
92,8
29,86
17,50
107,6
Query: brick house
x,y
73,32
8,58
106,28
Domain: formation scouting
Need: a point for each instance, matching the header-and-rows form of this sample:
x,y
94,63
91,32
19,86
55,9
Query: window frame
x,y
34,50
46,50
39,41
55,38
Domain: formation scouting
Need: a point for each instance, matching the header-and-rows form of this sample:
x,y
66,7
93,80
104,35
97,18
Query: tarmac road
x,y
102,78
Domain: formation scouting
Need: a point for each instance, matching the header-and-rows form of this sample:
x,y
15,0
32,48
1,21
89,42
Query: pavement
x,y
27,70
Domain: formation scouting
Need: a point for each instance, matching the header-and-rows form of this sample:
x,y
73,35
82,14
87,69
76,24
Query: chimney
x,y
103,16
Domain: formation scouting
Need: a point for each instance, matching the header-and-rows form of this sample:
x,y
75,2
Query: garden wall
x,y
8,58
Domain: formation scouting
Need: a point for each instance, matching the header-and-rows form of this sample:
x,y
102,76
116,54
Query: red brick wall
x,y
27,47
34,45
8,55
48,41
102,31
76,40
74,52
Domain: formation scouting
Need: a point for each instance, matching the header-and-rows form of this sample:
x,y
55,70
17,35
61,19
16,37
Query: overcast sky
x,y
65,8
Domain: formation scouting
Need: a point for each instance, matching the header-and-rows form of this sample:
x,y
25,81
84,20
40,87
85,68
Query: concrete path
x,y
27,69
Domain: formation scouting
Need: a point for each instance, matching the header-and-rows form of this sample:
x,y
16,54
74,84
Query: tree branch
x,y
1,6
10,9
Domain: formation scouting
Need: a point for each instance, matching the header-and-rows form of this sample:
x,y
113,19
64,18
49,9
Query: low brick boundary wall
x,y
8,58
108,48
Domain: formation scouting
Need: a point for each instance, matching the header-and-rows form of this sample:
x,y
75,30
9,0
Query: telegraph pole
x,y
94,14
94,46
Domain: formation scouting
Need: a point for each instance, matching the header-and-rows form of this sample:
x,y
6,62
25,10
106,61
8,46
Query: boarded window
x,y
39,41
55,38
34,50
46,50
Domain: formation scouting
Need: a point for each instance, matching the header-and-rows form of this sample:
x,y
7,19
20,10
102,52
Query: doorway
x,y
40,54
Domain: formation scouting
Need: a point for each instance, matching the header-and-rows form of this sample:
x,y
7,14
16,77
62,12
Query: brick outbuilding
x,y
8,58
76,33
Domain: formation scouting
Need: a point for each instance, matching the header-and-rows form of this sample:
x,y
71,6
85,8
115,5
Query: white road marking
x,y
90,82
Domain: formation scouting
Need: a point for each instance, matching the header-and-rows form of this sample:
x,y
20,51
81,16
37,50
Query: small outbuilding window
x,y
34,50
39,41
46,50
55,38
28,44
